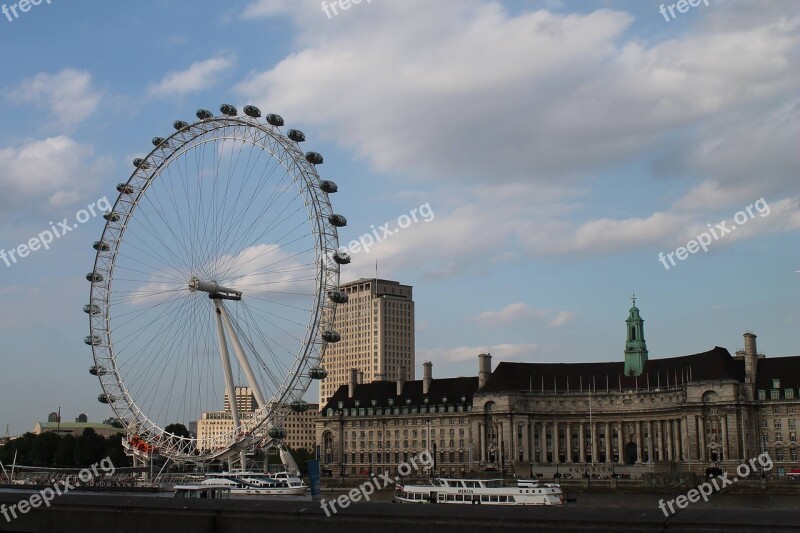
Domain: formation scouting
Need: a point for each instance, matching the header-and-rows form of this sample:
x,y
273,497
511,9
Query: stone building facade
x,y
631,417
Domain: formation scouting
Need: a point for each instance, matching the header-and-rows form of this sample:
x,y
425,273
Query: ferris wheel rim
x,y
310,352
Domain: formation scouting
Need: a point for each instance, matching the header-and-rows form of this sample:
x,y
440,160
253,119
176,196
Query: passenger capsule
x,y
277,432
275,120
317,372
158,141
204,114
337,220
124,188
91,309
338,297
296,135
180,125
252,111
328,187
111,216
331,336
299,406
341,257
101,246
105,398
92,340
94,277
228,110
98,371
314,158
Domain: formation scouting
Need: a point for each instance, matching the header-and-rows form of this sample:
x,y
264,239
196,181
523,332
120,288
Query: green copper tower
x,y
635,346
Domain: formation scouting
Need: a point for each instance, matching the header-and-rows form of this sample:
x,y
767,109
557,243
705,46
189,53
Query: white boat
x,y
210,492
249,484
481,492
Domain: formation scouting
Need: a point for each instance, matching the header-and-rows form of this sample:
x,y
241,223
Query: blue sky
x,y
561,145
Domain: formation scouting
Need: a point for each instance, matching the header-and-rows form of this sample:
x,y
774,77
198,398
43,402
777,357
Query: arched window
x,y
633,333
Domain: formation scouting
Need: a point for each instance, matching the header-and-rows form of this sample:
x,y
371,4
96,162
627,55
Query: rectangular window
x,y
762,395
775,394
788,394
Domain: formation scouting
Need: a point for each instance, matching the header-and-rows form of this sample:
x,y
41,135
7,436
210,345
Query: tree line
x,y
52,450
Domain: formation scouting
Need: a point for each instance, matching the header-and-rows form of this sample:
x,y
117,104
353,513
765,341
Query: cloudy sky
x,y
560,147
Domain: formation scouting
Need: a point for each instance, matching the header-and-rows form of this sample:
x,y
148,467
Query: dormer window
x,y
776,384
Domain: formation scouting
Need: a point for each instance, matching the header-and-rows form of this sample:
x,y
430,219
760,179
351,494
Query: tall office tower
x,y
377,329
245,400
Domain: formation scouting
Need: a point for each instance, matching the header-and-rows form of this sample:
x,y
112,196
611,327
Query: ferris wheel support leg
x,y
240,355
226,363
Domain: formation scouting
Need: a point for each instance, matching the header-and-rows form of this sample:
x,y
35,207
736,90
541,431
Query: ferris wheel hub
x,y
215,291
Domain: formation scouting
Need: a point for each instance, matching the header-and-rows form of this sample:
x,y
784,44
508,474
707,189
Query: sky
x,y
559,150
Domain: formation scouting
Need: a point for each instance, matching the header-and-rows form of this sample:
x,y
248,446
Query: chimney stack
x,y
401,380
427,376
484,369
750,358
360,377
351,386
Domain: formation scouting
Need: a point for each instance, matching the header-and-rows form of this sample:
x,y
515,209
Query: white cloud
x,y
500,352
57,171
68,95
199,76
516,312
562,318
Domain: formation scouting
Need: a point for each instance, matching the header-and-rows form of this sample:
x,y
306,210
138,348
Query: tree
x,y
178,430
89,447
65,453
44,449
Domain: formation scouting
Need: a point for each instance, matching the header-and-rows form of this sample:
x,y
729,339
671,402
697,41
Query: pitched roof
x,y
381,391
787,369
713,364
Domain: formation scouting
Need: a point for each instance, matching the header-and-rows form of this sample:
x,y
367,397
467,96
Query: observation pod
x,y
111,216
204,114
180,125
317,372
331,336
141,163
314,158
341,258
98,371
92,340
275,120
101,246
105,398
158,141
299,406
228,110
338,297
124,188
296,135
252,111
94,277
91,309
277,432
337,220
328,187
